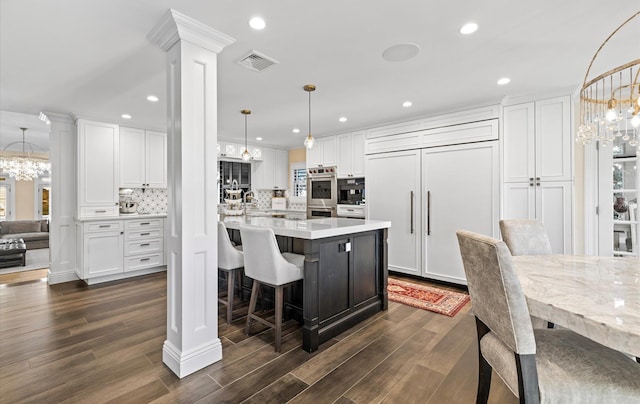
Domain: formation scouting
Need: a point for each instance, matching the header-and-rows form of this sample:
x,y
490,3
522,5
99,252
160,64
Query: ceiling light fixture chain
x,y
309,141
610,102
24,167
246,156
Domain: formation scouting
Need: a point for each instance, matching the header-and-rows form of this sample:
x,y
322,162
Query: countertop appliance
x,y
351,191
322,192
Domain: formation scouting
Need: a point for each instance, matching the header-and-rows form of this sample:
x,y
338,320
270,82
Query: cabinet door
x,y
393,193
102,253
281,168
329,155
519,142
345,159
553,209
519,200
314,155
268,167
156,159
461,191
357,154
98,164
132,158
553,139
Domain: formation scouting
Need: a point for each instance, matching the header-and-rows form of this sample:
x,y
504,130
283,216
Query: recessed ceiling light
x,y
296,130
152,98
258,139
126,116
469,28
343,119
257,23
407,104
504,80
400,52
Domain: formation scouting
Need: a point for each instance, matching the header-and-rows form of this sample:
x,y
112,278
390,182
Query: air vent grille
x,y
256,61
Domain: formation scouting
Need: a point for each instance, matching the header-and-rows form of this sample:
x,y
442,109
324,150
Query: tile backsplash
x,y
263,200
150,200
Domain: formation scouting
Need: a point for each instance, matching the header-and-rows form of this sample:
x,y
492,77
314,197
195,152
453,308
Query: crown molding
x,y
175,26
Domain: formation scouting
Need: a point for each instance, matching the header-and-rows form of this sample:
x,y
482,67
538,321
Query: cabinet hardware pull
x,y
411,209
537,178
145,245
530,178
144,234
144,259
102,226
145,223
537,183
101,211
428,213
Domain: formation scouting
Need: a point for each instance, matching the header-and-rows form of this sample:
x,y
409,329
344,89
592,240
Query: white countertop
x,y
309,229
140,216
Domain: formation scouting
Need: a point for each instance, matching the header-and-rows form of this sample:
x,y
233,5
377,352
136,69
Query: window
x,y
299,179
6,198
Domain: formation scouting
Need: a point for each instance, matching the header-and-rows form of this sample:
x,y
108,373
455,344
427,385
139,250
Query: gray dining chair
x,y
537,365
266,265
527,237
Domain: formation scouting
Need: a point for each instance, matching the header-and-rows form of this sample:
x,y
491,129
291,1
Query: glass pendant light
x,y
309,141
245,154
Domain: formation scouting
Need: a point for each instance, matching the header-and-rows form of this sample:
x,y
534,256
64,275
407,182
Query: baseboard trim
x,y
183,364
61,276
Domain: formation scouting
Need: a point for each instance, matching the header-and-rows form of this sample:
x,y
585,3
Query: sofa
x,y
35,233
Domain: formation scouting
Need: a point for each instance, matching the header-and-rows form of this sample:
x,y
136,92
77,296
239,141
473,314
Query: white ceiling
x,y
92,58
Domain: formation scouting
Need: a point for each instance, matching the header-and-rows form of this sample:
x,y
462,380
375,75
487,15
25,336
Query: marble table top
x,y
598,297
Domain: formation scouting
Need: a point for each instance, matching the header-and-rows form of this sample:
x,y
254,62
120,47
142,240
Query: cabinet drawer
x,y
111,225
99,211
144,234
143,261
140,224
143,246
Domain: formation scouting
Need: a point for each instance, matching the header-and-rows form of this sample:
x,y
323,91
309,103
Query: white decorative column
x,y
192,296
62,227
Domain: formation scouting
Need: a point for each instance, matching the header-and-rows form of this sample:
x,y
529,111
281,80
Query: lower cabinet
x,y
116,249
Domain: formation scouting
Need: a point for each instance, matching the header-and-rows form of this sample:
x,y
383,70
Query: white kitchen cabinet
x,y
98,169
394,194
256,153
230,150
143,158
272,171
115,249
350,155
538,181
323,153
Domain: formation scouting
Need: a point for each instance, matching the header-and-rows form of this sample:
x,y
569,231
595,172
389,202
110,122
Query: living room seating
x,y
537,365
35,233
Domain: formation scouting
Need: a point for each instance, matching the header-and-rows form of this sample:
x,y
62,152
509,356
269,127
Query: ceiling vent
x,y
257,61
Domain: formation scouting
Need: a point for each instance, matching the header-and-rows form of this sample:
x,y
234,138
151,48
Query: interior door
x,y
393,193
460,191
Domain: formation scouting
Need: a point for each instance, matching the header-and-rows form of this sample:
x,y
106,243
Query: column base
x,y
183,364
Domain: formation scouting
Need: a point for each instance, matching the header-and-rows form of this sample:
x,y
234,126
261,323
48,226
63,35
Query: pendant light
x,y
309,141
245,154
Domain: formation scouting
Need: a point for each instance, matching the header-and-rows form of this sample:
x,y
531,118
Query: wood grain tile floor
x,y
75,343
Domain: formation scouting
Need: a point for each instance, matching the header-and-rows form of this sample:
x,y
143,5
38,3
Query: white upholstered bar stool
x,y
527,237
231,262
266,265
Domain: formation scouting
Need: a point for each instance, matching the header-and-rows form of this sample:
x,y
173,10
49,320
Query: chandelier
x,y
23,167
609,103
246,156
309,141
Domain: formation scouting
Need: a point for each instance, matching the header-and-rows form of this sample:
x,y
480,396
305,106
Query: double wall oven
x,y
322,192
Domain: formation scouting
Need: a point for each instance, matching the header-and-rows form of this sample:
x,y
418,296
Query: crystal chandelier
x,y
23,167
609,103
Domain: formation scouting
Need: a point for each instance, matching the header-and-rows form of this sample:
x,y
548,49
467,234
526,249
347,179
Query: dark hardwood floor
x,y
75,343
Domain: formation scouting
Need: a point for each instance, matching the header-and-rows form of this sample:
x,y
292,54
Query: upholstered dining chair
x,y
537,365
230,262
527,237
266,265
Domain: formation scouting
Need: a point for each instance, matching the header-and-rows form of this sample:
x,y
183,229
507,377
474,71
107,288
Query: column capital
x,y
175,26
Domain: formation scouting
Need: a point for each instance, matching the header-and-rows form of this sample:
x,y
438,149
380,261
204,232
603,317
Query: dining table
x,y
597,297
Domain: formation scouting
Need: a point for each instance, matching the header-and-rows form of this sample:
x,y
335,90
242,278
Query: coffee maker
x,y
127,205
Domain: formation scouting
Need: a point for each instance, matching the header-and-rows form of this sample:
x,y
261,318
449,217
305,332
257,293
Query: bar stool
x,y
231,262
264,263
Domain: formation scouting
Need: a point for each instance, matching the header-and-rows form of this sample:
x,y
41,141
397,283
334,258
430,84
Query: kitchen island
x,y
345,270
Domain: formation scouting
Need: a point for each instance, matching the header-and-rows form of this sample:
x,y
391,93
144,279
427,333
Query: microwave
x,y
351,191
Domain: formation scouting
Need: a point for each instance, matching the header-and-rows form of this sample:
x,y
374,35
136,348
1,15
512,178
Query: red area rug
x,y
440,301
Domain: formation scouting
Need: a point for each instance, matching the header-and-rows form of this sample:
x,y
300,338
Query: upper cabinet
x,y
351,155
143,158
272,171
537,141
98,168
323,153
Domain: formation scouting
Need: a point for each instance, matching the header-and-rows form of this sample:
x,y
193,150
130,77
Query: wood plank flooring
x,y
75,343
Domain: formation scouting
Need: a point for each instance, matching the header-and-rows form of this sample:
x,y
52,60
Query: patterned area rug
x,y
441,301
